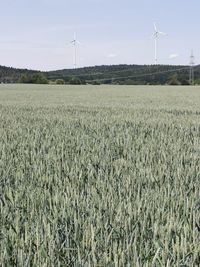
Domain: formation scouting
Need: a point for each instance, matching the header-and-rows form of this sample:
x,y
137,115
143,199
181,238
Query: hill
x,y
11,75
113,74
127,74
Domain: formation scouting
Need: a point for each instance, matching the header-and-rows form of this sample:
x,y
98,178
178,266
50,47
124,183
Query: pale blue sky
x,y
36,33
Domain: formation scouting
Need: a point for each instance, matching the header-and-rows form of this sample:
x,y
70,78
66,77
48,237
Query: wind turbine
x,y
74,42
192,63
156,36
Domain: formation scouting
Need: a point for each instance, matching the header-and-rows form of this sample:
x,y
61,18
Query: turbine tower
x,y
192,63
74,42
156,35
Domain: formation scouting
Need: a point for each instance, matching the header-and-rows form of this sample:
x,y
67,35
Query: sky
x,y
36,34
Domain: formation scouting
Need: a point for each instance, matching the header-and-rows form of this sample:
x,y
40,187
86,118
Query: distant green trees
x,y
60,81
37,78
75,80
173,80
197,81
112,74
95,83
185,82
125,74
11,75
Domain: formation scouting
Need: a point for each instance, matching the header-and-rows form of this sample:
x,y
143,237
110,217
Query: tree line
x,y
114,74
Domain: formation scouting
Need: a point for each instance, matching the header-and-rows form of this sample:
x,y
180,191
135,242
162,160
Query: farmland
x,y
99,176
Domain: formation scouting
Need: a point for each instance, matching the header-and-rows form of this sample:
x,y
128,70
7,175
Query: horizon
x,y
18,68
111,33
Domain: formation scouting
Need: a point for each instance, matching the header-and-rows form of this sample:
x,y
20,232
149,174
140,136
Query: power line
x,y
137,76
138,68
126,77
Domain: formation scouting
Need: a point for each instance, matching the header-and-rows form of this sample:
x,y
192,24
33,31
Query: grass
x,y
99,176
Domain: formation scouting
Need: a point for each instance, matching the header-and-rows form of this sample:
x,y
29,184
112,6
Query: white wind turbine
x,y
156,35
74,42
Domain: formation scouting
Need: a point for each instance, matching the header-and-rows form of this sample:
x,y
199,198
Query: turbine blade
x,y
162,33
69,44
155,28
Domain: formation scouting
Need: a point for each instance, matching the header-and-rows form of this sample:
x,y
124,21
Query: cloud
x,y
172,56
111,55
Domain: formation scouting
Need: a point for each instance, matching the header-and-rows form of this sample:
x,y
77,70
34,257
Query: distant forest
x,y
113,74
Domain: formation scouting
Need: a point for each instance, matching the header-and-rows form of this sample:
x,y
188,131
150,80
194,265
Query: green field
x,y
99,176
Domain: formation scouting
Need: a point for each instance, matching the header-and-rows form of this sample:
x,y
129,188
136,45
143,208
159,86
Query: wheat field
x,y
99,176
